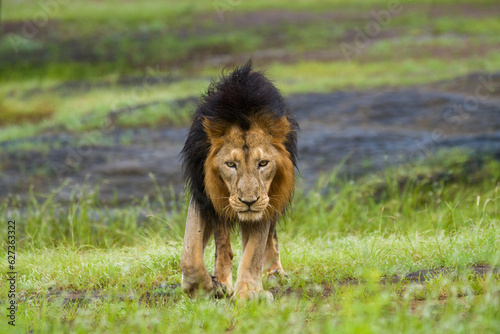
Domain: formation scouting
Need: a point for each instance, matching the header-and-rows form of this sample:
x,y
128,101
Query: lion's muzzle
x,y
249,209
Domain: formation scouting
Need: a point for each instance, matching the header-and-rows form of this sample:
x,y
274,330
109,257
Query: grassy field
x,y
88,268
346,244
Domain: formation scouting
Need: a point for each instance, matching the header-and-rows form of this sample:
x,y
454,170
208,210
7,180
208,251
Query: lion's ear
x,y
280,129
277,128
214,130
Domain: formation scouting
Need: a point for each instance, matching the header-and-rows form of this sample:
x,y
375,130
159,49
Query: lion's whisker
x,y
273,208
225,210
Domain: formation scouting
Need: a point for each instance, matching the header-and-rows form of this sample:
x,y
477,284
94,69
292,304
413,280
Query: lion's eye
x,y
231,164
263,163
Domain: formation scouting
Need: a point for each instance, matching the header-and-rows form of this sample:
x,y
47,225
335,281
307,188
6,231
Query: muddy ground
x,y
372,129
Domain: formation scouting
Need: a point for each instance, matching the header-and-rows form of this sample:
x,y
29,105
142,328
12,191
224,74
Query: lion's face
x,y
247,165
245,173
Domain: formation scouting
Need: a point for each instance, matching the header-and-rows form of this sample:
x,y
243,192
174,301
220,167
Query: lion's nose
x,y
248,202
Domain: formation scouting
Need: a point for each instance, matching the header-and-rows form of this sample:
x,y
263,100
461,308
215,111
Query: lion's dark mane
x,y
234,99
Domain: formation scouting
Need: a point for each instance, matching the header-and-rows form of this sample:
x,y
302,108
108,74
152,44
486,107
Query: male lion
x,y
239,160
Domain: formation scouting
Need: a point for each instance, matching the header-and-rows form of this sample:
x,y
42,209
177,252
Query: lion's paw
x,y
194,287
250,295
276,273
221,290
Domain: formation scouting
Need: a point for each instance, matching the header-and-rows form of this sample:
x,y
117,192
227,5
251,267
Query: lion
x,y
239,162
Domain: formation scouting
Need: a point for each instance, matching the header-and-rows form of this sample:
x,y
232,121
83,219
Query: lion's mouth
x,y
250,215
249,211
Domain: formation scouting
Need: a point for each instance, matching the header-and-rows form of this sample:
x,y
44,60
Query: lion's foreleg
x,y
272,262
223,271
195,275
249,280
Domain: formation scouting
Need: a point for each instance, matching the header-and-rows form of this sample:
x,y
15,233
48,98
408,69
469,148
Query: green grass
x,y
442,212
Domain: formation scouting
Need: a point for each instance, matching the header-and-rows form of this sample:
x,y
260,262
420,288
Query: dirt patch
x,y
82,86
463,10
272,18
26,28
20,115
472,85
421,276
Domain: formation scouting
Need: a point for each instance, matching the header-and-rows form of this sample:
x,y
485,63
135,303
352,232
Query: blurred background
x,y
95,96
